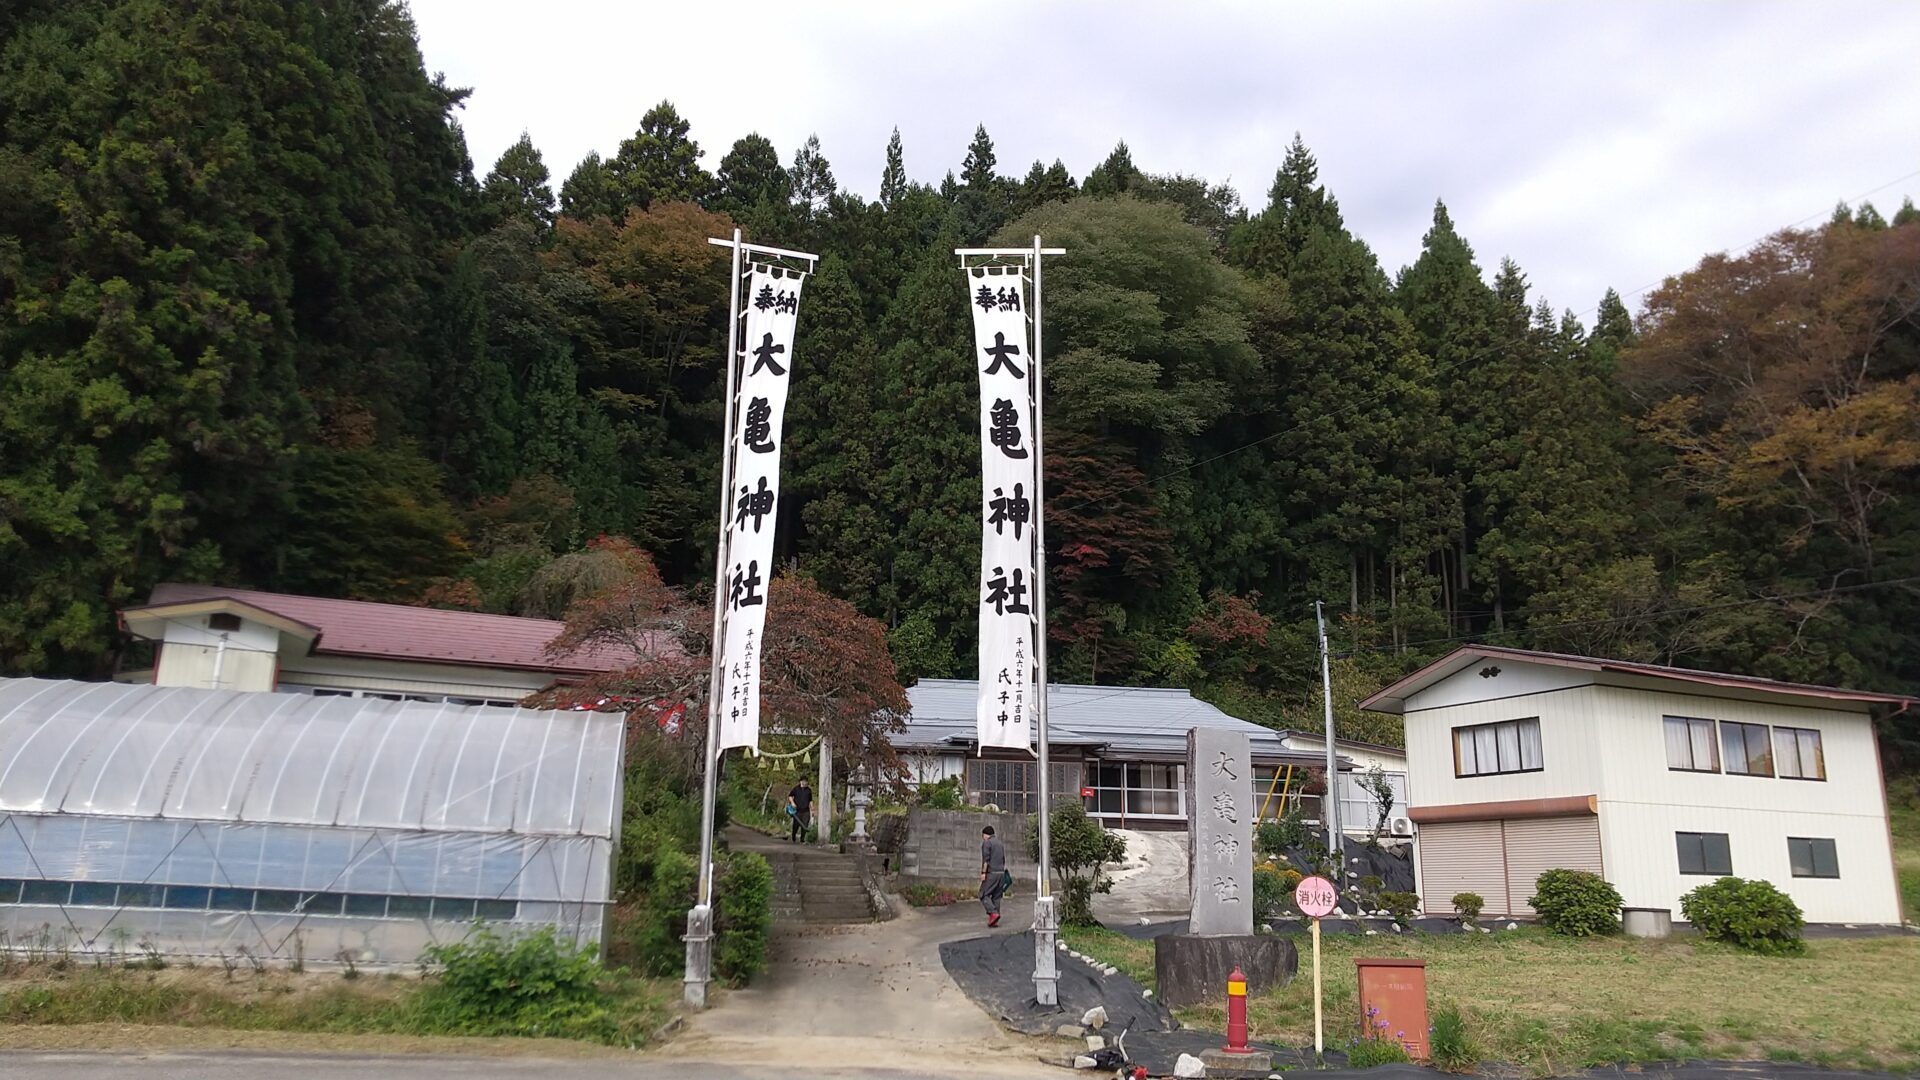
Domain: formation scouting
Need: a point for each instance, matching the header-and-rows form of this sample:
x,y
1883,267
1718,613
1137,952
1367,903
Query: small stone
x,y
1063,946
1148,994
1144,921
1083,1062
1095,1044
1189,1066
1372,933
1513,926
1069,1031
1396,928
1109,970
1486,929
1095,1018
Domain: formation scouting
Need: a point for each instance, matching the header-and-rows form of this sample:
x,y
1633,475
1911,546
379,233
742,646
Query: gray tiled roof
x,y
1125,721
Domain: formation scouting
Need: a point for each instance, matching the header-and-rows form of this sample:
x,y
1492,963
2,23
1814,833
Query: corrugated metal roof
x,y
400,632
1393,699
119,750
1129,721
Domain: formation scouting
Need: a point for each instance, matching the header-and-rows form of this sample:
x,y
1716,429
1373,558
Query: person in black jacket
x,y
799,805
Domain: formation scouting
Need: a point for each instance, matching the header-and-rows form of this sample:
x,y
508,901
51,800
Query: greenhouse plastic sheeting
x,y
288,827
220,755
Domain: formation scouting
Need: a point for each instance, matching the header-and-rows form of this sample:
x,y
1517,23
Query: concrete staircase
x,y
811,885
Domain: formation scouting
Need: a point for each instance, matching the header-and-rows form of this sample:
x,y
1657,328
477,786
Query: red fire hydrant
x,y
1237,1012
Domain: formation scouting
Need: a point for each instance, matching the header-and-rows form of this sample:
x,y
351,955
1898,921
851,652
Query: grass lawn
x,y
1552,1004
42,996
1903,805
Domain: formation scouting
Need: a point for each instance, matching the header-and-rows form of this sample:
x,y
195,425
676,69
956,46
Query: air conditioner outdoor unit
x,y
1400,826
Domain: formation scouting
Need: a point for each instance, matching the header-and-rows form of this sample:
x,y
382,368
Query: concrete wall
x,y
943,848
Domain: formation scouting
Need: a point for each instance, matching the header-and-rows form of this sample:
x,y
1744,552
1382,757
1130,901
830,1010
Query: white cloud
x,y
1597,144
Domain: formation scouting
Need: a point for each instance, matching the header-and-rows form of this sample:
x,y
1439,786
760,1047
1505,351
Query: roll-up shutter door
x,y
1463,856
1537,845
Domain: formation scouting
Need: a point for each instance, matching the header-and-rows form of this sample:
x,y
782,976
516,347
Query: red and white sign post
x,y
1315,897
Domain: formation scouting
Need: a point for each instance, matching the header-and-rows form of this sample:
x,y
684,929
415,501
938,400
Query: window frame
x,y
1800,753
1707,870
1746,745
1519,749
1713,742
1813,861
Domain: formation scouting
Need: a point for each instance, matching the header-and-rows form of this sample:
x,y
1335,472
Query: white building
x,y
1359,808
1659,779
217,638
1120,749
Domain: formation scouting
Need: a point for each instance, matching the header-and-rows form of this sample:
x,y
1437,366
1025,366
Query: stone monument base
x,y
1192,969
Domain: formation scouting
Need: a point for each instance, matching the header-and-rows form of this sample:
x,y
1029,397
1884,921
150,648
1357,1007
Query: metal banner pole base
x,y
1046,964
699,956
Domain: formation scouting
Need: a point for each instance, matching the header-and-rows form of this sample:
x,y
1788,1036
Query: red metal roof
x,y
1393,698
431,635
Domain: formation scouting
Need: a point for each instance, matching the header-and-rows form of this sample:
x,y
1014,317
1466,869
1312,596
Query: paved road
x,y
256,1066
1152,885
835,997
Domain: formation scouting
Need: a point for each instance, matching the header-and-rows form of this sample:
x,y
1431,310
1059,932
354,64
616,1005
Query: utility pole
x,y
1330,800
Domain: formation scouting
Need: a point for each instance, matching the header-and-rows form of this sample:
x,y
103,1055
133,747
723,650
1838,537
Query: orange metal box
x,y
1393,992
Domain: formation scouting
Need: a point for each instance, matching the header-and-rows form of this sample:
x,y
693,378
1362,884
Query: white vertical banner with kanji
x,y
997,297
772,301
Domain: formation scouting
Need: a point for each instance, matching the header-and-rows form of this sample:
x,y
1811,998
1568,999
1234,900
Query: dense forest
x,y
263,324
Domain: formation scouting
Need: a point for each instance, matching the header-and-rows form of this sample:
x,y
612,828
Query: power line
x,y
1437,370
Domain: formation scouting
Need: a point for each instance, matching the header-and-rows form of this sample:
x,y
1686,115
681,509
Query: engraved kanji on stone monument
x,y
1220,867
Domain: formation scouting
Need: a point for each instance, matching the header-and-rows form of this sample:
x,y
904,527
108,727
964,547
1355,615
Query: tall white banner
x,y
772,301
1004,715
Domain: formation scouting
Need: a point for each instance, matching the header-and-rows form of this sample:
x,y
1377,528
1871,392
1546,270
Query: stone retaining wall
x,y
942,847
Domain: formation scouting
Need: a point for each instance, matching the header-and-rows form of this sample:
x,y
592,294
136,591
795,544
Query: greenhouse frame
x,y
288,828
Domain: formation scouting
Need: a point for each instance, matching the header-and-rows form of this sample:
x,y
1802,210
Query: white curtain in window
x,y
1509,738
1679,745
1463,750
1813,762
1786,750
1703,757
1487,749
1529,744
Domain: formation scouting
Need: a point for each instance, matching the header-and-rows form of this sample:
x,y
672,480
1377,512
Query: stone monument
x,y
1192,968
1219,820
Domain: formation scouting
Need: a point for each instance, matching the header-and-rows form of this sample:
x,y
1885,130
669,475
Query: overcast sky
x,y
1597,144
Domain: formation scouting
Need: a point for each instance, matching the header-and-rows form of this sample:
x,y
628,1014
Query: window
x,y
1812,857
92,894
1012,785
44,892
271,901
1704,853
1798,752
1746,748
1690,745
1485,749
223,620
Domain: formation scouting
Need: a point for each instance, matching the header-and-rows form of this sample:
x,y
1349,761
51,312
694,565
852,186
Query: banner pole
x,y
699,937
1046,916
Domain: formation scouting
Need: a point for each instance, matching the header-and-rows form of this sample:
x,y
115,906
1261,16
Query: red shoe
x,y
993,920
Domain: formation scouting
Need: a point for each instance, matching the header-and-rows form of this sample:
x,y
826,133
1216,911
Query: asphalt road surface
x,y
257,1066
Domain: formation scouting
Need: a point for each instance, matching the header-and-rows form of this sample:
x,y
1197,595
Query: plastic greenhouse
x,y
284,827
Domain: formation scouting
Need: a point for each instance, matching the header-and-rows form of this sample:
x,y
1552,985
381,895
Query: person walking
x,y
799,805
993,874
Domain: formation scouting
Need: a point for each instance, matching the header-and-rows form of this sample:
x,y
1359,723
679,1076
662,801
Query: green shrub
x,y
1751,914
527,985
1449,1044
944,795
743,899
1467,905
1376,1045
1576,903
1400,905
1270,838
1270,893
1081,849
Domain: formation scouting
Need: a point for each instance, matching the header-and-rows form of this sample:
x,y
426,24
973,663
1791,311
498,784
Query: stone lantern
x,y
862,797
